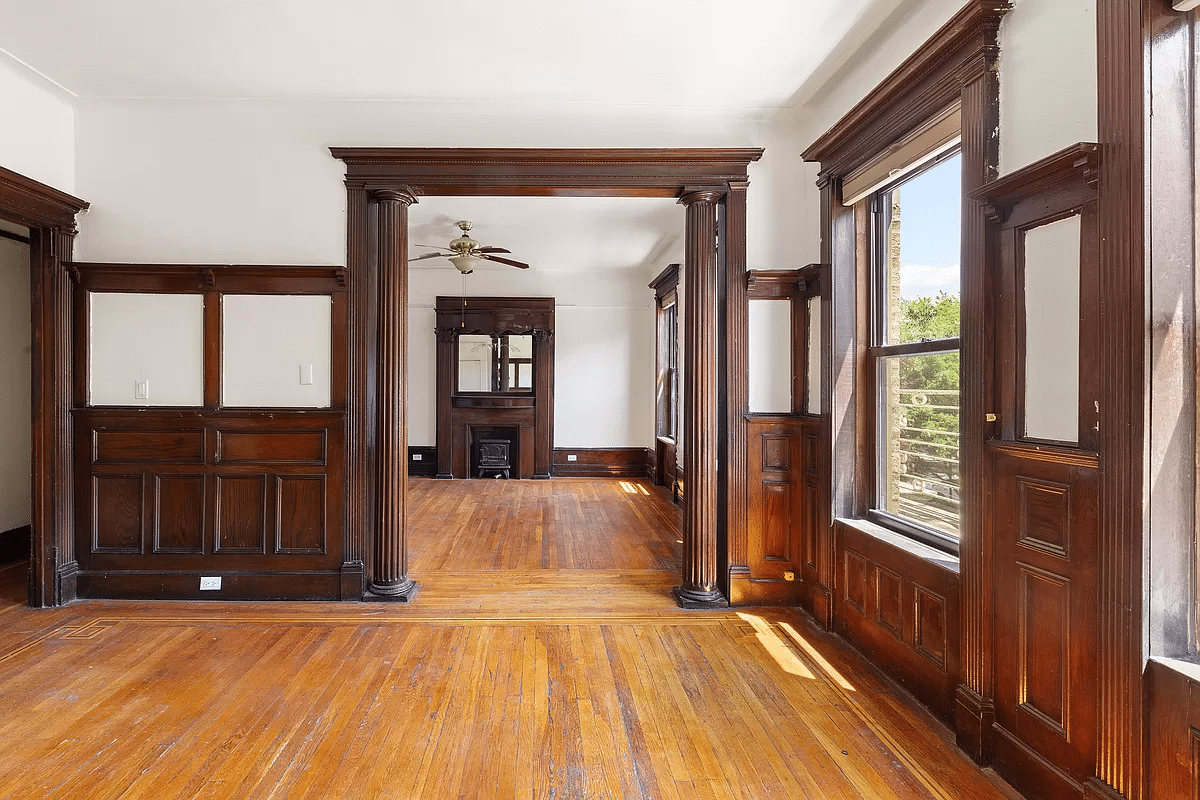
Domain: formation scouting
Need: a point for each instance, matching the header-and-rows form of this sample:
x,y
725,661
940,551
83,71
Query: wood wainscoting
x,y
898,602
1173,720
255,498
603,462
786,524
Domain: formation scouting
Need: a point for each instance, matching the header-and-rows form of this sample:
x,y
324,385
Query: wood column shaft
x,y
390,568
701,440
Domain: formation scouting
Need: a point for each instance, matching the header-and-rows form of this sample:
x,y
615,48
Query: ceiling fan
x,y
464,252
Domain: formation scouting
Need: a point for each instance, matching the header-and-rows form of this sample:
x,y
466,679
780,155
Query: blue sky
x,y
930,209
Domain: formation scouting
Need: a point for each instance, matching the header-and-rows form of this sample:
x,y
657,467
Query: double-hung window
x,y
913,356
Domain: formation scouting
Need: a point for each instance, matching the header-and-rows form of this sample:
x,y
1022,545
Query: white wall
x,y
603,349
276,350
15,419
37,135
153,338
1052,331
1047,79
771,345
253,182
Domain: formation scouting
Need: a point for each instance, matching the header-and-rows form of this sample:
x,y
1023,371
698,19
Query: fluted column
x,y
390,579
701,440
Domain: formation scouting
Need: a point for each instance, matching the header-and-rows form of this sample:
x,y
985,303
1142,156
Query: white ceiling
x,y
722,53
736,55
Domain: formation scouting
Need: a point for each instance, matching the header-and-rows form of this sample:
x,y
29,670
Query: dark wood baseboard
x,y
242,585
426,465
602,462
14,544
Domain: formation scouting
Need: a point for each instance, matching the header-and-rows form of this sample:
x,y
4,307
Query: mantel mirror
x,y
495,363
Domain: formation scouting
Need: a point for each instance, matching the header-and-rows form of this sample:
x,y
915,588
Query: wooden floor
x,y
549,663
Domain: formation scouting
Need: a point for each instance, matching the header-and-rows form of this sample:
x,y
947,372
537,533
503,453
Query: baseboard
x,y
422,462
600,462
244,585
14,544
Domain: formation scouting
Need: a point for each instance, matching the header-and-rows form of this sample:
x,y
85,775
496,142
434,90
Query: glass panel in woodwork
x,y
918,470
920,254
1052,331
770,357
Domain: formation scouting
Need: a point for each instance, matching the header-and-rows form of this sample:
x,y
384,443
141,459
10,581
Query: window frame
x,y
878,350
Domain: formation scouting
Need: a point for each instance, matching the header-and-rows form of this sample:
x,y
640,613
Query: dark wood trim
x,y
666,281
773,284
1079,162
554,172
223,278
50,216
929,82
15,237
954,67
15,544
524,172
1122,39
602,462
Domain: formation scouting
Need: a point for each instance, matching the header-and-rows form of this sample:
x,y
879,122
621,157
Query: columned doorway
x,y
382,182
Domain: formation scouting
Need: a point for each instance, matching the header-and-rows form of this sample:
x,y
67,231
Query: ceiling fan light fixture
x,y
465,263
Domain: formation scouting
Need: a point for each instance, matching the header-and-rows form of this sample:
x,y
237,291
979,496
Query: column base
x,y
393,593
691,598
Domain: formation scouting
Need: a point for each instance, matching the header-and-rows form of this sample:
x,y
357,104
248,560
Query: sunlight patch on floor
x,y
829,669
776,648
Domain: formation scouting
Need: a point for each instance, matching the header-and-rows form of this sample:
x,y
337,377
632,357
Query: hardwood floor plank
x,y
504,680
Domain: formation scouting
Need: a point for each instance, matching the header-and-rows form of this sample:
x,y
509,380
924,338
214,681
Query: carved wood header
x,y
35,205
612,172
494,315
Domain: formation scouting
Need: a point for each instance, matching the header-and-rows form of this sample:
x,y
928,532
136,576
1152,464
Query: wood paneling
x,y
164,523
785,510
255,447
897,601
1173,726
300,514
599,462
179,513
241,523
117,518
426,465
179,447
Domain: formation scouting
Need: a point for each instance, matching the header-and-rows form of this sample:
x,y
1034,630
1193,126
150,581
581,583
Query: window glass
x,y
917,317
918,464
920,233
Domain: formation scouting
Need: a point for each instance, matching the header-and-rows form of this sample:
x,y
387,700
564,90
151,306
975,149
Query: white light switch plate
x,y
141,390
572,457
306,374
417,456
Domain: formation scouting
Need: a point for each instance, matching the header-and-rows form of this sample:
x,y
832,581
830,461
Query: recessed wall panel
x,y
1052,331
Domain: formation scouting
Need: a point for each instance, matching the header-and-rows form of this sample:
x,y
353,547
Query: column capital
x,y
702,194
401,194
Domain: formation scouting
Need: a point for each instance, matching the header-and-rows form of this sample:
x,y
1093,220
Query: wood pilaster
x,y
390,579
1121,211
980,157
701,409
737,390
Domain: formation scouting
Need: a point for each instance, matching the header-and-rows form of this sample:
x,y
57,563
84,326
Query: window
x,y
914,351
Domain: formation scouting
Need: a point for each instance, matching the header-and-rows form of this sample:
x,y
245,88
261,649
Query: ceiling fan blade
x,y
492,250
509,261
429,255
